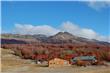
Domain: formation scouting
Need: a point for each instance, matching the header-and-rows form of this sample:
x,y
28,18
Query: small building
x,y
91,59
57,62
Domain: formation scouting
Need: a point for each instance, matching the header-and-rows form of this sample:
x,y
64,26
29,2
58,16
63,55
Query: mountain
x,y
40,37
65,37
16,36
13,41
18,39
26,36
68,38
62,37
59,38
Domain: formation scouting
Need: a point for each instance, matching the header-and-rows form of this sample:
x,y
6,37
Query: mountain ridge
x,y
59,38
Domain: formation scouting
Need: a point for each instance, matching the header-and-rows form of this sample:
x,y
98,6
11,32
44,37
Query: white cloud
x,y
30,29
83,32
98,5
65,26
76,30
103,38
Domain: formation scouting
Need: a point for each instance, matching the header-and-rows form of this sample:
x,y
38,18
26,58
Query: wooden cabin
x,y
89,59
57,62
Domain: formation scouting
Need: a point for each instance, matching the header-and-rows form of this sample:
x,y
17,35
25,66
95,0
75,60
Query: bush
x,y
17,52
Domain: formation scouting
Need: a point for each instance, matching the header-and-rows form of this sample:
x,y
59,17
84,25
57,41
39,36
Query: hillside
x,y
14,64
59,38
20,54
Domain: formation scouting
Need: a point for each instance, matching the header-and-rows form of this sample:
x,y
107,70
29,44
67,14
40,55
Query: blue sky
x,y
37,13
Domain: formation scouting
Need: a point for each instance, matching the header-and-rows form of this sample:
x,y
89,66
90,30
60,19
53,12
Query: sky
x,y
90,19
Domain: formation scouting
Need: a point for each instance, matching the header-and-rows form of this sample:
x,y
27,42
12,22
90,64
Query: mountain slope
x,y
63,36
59,38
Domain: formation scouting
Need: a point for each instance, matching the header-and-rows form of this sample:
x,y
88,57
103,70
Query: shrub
x,y
17,52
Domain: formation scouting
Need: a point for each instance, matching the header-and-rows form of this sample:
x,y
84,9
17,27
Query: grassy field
x,y
13,64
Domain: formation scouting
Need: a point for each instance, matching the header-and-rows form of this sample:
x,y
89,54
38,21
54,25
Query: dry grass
x,y
13,64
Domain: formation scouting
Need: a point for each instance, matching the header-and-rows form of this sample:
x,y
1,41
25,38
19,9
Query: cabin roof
x,y
84,58
57,59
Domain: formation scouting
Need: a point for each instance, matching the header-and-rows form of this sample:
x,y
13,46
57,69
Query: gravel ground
x,y
27,69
